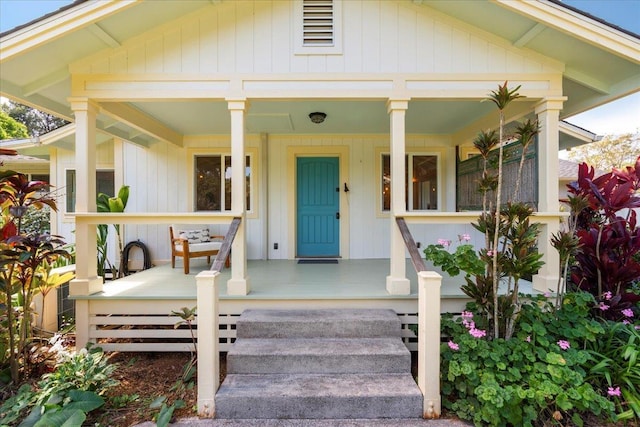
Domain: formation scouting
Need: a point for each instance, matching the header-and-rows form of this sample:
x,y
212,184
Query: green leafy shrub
x,y
65,395
615,366
538,377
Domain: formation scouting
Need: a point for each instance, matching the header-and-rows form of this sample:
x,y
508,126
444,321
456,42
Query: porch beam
x,y
397,282
47,81
121,87
239,282
142,122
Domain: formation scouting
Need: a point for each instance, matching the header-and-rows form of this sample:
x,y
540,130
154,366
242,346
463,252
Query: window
x,y
213,182
421,189
104,184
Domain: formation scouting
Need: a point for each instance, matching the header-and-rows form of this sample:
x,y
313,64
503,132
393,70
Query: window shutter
x,y
318,22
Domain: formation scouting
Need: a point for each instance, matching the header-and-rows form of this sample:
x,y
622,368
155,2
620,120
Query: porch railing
x,y
429,284
207,294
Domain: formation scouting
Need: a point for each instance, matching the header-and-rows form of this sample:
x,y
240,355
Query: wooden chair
x,y
193,242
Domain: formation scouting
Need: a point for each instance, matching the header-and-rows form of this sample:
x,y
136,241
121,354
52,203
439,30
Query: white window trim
x,y
298,33
68,216
410,153
252,153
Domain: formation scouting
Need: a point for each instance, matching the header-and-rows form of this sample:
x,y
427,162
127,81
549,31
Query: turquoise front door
x,y
318,207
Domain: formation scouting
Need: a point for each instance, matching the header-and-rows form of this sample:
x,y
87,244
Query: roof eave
x,y
52,26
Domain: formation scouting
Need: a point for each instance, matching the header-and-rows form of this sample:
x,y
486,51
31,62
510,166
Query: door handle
x,y
337,215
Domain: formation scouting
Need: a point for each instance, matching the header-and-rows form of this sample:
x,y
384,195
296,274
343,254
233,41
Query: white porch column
x,y
239,282
208,352
87,280
397,282
429,284
548,112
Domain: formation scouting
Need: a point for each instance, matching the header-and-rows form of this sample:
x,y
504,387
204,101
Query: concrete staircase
x,y
318,364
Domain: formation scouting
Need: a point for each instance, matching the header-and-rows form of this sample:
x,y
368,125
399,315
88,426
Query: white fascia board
x,y
578,132
67,21
577,25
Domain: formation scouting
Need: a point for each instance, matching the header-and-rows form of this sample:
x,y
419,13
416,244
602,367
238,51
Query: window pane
x,y
70,180
386,182
105,183
248,182
227,183
208,183
424,183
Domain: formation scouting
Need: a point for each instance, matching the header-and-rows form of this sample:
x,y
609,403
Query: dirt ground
x,y
145,377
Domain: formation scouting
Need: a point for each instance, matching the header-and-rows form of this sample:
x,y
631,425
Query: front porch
x,y
134,313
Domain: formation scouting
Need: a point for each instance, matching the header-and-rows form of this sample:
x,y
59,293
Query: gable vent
x,y
318,22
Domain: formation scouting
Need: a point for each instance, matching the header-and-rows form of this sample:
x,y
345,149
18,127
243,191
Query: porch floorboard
x,y
280,279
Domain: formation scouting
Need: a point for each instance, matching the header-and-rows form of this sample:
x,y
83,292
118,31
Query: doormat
x,y
318,261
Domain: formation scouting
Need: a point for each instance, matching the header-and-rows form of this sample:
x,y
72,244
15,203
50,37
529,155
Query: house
x,y
297,117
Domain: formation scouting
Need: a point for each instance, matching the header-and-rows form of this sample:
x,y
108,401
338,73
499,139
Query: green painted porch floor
x,y
280,279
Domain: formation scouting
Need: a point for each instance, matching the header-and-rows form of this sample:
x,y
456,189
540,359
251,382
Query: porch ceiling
x,y
210,117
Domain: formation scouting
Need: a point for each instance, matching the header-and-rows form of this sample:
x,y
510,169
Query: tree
x,y
10,128
37,122
611,152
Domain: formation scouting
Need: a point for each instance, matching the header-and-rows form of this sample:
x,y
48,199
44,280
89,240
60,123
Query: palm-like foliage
x,y
22,258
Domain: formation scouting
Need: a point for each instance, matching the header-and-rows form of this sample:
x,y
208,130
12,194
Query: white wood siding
x,y
257,37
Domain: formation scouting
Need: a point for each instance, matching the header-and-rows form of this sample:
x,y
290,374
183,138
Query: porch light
x,y
317,117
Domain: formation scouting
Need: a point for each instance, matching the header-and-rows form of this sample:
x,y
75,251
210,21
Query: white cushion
x,y
200,247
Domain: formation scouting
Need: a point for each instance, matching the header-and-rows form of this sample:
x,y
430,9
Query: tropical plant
x,y
510,237
25,256
607,264
66,395
615,366
116,204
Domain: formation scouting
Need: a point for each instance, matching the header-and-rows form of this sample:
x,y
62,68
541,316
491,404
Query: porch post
x,y
548,112
87,280
208,352
429,283
397,282
238,284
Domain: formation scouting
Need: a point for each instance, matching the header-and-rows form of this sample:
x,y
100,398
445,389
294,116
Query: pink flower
x,y
477,333
528,339
489,253
453,346
466,237
607,295
626,322
564,344
627,312
614,391
444,242
602,306
466,315
547,294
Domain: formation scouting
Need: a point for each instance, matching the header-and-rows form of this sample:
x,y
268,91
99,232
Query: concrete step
x,y
326,396
318,356
330,323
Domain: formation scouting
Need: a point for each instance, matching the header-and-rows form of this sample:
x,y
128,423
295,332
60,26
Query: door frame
x,y
342,153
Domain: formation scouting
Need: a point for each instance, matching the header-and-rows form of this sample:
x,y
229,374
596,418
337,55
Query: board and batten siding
x,y
161,180
258,37
167,168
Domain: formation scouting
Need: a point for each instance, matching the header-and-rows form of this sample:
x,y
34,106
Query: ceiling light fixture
x,y
317,117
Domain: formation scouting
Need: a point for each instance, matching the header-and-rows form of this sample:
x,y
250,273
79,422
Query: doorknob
x,y
337,215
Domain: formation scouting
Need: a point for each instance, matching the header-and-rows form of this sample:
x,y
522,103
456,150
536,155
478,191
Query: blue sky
x,y
617,117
